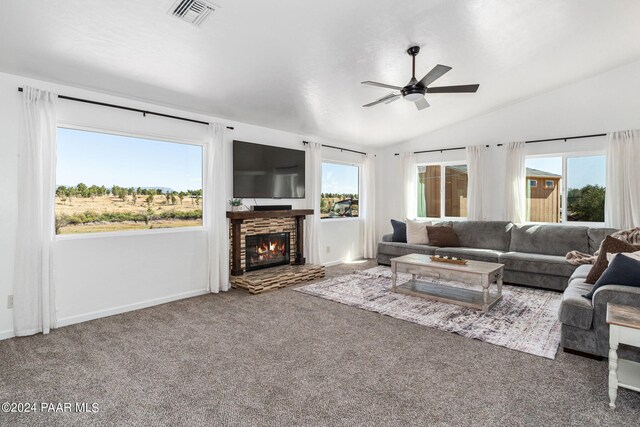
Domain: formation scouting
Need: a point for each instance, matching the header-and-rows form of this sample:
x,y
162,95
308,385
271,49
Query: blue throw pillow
x,y
623,270
399,231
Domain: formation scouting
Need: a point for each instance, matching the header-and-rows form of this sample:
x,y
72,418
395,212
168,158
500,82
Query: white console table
x,y
624,328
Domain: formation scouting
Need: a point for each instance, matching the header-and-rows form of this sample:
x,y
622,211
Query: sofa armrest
x,y
387,238
617,294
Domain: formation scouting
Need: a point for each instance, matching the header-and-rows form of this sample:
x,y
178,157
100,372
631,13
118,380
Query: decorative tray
x,y
449,260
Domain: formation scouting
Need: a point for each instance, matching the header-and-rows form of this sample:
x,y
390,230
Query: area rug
x,y
525,319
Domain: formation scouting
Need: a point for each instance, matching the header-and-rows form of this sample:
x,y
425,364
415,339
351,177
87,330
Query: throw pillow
x,y
608,245
399,231
443,237
417,232
622,270
634,255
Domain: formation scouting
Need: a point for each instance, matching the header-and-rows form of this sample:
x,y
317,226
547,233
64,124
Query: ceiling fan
x,y
415,90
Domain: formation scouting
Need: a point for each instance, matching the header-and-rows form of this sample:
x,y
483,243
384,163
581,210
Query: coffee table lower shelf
x,y
448,294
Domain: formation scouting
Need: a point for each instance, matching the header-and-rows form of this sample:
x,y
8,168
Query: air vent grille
x,y
192,11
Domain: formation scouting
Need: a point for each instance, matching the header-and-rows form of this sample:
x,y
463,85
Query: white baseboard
x,y
7,334
66,321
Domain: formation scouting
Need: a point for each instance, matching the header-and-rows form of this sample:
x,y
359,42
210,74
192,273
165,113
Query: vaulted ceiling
x,y
297,65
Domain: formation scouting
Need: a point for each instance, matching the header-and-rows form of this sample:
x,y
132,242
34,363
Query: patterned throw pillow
x,y
609,245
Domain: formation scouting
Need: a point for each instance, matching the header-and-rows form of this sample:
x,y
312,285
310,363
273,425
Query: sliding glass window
x,y
107,182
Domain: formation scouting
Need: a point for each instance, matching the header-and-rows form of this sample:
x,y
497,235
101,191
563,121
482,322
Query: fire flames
x,y
270,249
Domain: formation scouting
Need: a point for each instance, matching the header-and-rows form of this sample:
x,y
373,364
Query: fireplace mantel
x,y
268,214
239,220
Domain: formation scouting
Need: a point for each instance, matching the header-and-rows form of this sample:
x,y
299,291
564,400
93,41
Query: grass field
x,y
109,213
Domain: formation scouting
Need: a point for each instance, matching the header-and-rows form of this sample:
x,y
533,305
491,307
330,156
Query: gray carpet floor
x,y
286,358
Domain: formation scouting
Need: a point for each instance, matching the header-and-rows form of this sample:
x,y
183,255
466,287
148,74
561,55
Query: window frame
x,y
141,135
533,183
443,184
563,187
344,163
548,183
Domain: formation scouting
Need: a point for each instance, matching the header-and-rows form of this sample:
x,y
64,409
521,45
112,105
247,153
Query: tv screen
x,y
264,171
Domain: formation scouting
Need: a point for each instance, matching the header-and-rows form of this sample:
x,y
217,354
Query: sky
x,y
104,159
581,171
337,178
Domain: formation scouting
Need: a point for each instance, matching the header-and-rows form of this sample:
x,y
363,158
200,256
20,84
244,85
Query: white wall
x,y
604,103
102,275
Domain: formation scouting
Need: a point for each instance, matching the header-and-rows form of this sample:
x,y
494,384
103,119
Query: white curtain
x,y
515,183
312,196
410,178
622,198
215,206
475,170
368,206
33,287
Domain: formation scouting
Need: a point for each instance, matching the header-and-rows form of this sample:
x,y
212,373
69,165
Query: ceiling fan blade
x,y
421,104
453,89
394,98
381,100
370,83
433,75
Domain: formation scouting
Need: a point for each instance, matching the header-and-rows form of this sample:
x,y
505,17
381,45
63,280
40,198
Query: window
x,y
533,183
574,181
585,188
107,182
442,191
340,190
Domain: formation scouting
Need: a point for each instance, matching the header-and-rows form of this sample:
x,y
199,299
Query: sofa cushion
x,y
575,310
487,255
581,272
484,234
395,249
549,239
596,236
622,270
399,231
610,245
537,263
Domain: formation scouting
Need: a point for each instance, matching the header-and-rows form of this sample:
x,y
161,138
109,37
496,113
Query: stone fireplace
x,y
261,239
266,250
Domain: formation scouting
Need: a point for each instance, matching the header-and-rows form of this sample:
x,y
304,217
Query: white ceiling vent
x,y
192,11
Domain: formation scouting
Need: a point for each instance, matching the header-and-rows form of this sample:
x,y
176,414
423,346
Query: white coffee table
x,y
483,274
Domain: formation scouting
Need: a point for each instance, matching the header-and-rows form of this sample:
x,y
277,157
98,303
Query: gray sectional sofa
x,y
534,255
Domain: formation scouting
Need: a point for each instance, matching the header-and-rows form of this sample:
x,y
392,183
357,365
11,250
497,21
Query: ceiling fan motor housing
x,y
413,92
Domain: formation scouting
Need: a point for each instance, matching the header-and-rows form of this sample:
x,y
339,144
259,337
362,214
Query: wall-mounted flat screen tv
x,y
267,172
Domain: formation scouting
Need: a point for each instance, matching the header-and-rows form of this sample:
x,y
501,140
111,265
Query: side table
x,y
624,328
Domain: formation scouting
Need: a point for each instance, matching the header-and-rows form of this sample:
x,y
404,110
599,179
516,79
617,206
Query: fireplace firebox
x,y
267,250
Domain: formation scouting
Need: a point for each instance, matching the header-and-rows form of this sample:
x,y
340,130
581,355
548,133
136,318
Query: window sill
x,y
340,219
130,233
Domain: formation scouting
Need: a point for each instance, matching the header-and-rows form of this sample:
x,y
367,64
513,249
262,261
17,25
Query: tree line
x,y
84,191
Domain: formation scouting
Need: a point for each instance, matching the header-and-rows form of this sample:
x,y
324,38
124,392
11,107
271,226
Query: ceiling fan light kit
x,y
415,90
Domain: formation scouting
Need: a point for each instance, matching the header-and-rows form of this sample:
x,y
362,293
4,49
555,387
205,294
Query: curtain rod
x,y
440,150
121,107
338,148
533,141
565,138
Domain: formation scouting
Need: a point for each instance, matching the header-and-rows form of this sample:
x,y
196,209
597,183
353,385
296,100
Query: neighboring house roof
x,y
541,174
